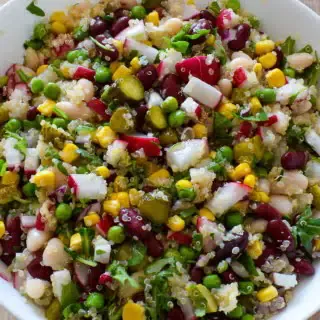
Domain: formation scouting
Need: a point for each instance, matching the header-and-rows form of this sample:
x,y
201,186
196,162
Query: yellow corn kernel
x,y
69,153
58,27
255,249
135,64
75,242
316,245
241,171
200,131
119,45
2,229
212,154
58,16
183,184
121,72
194,220
241,206
264,46
153,17
44,179
46,108
257,68
42,69
133,311
91,219
65,240
228,109
112,207
147,42
176,223
135,196
259,196
159,177
267,294
115,65
120,184
276,78
103,171
105,136
255,105
211,40
151,167
123,198
204,212
250,180
268,60
10,177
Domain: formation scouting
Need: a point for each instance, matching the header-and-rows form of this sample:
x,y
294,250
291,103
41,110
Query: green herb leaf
x,y
221,128
158,265
60,113
3,167
306,49
214,7
70,294
248,263
87,234
99,251
187,213
75,256
200,33
34,44
312,74
22,143
220,53
23,76
95,160
288,47
119,273
32,8
138,253
259,117
197,242
100,45
59,165
295,134
254,21
181,46
51,153
233,4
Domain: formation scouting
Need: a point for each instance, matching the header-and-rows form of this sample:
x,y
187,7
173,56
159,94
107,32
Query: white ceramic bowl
x,y
280,18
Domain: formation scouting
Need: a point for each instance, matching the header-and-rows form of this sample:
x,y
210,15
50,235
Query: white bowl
x,y
280,18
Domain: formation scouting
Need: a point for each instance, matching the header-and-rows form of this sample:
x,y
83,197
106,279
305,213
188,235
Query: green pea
x,y
103,74
246,287
236,313
77,55
56,63
70,310
138,12
173,253
227,153
187,194
116,234
52,91
95,300
37,85
13,125
60,123
40,31
82,170
170,104
176,118
212,281
247,317
289,72
233,219
222,266
79,34
215,167
63,212
266,95
29,189
187,253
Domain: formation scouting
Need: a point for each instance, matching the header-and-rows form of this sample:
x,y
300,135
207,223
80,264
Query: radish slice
x,y
149,52
136,32
313,139
18,280
168,64
227,196
81,271
150,145
4,273
99,107
88,186
82,72
28,221
153,99
31,162
203,92
227,19
191,108
104,225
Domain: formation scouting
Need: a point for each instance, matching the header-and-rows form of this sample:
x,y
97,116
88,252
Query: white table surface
x,y
314,4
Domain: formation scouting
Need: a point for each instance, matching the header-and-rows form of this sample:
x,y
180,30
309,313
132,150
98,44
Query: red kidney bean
x,y
180,238
292,160
134,224
97,26
148,76
37,270
280,57
138,297
154,246
206,14
267,252
140,117
281,235
196,274
119,13
224,34
226,252
242,36
267,212
12,243
94,274
175,314
109,54
216,185
229,276
217,316
119,25
303,266
171,86
32,113
201,24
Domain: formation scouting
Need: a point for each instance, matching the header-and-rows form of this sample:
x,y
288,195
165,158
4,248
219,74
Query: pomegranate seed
x,y
281,235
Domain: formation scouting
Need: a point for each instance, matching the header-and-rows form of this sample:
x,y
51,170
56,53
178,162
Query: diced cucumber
x,y
121,120
157,118
131,88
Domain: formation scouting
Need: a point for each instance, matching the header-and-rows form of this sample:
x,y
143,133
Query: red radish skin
x,y
99,107
63,50
104,225
245,130
4,273
271,120
82,72
180,237
150,145
227,19
105,278
40,225
28,222
239,77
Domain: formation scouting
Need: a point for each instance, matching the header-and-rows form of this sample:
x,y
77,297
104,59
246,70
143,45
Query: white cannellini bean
x,y
225,86
75,112
35,288
240,54
37,239
301,107
282,204
300,61
172,26
263,185
241,62
54,255
88,89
